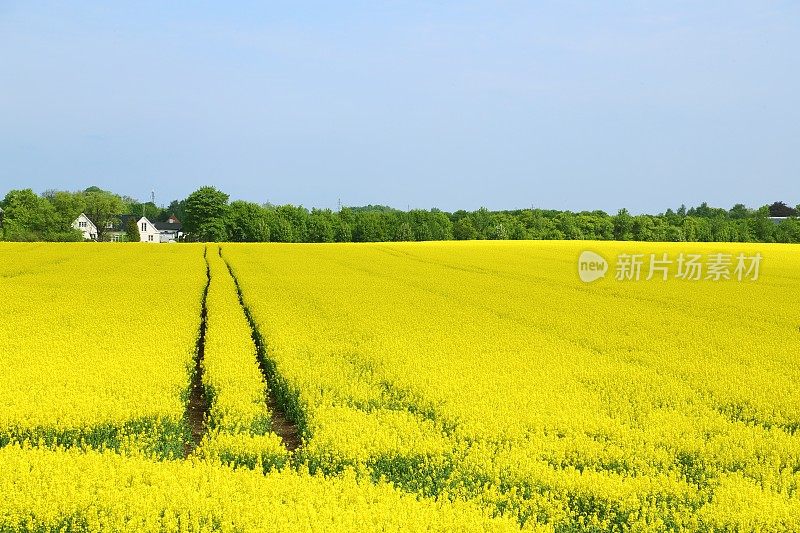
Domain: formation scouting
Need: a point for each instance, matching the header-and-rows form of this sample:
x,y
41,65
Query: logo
x,y
591,266
715,267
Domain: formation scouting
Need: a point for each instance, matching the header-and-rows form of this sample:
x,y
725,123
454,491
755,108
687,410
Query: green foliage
x,y
132,231
177,208
147,209
342,231
68,205
297,218
29,217
623,226
102,208
464,230
780,209
321,226
370,226
246,222
280,229
204,217
207,216
404,232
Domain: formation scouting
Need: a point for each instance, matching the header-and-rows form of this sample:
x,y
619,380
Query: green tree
x,y
297,217
102,208
68,206
342,231
132,231
567,225
537,225
673,234
780,209
204,217
739,211
177,208
321,226
603,226
761,227
721,229
26,216
246,222
623,226
643,228
29,217
484,221
498,232
788,231
440,225
280,228
370,227
147,209
464,230
403,232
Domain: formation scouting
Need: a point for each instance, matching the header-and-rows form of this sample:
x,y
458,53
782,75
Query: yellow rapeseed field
x,y
96,343
239,422
43,490
464,386
489,371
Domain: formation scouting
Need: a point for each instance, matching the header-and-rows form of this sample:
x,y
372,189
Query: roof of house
x,y
778,220
81,216
121,222
168,226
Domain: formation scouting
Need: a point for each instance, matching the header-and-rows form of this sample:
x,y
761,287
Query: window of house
x,y
150,238
81,224
144,226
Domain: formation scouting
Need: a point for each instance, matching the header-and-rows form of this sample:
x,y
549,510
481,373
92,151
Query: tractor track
x,y
197,408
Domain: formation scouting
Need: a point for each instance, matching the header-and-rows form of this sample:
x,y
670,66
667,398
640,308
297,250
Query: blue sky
x,y
564,105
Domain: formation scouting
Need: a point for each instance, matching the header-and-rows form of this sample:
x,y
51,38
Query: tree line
x,y
208,215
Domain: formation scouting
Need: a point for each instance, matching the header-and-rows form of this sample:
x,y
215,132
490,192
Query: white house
x,y
169,231
147,230
86,227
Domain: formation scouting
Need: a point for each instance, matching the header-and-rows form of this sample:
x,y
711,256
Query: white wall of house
x,y
169,236
147,231
86,227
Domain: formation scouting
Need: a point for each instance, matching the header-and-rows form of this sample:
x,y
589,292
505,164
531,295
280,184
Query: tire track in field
x,y
287,417
197,408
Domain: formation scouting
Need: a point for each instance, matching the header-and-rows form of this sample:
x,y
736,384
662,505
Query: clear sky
x,y
462,104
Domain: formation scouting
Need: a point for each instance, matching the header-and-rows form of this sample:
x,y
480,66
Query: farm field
x,y
96,344
446,386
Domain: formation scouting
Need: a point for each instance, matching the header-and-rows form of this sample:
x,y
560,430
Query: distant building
x,y
170,231
147,230
86,227
777,220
